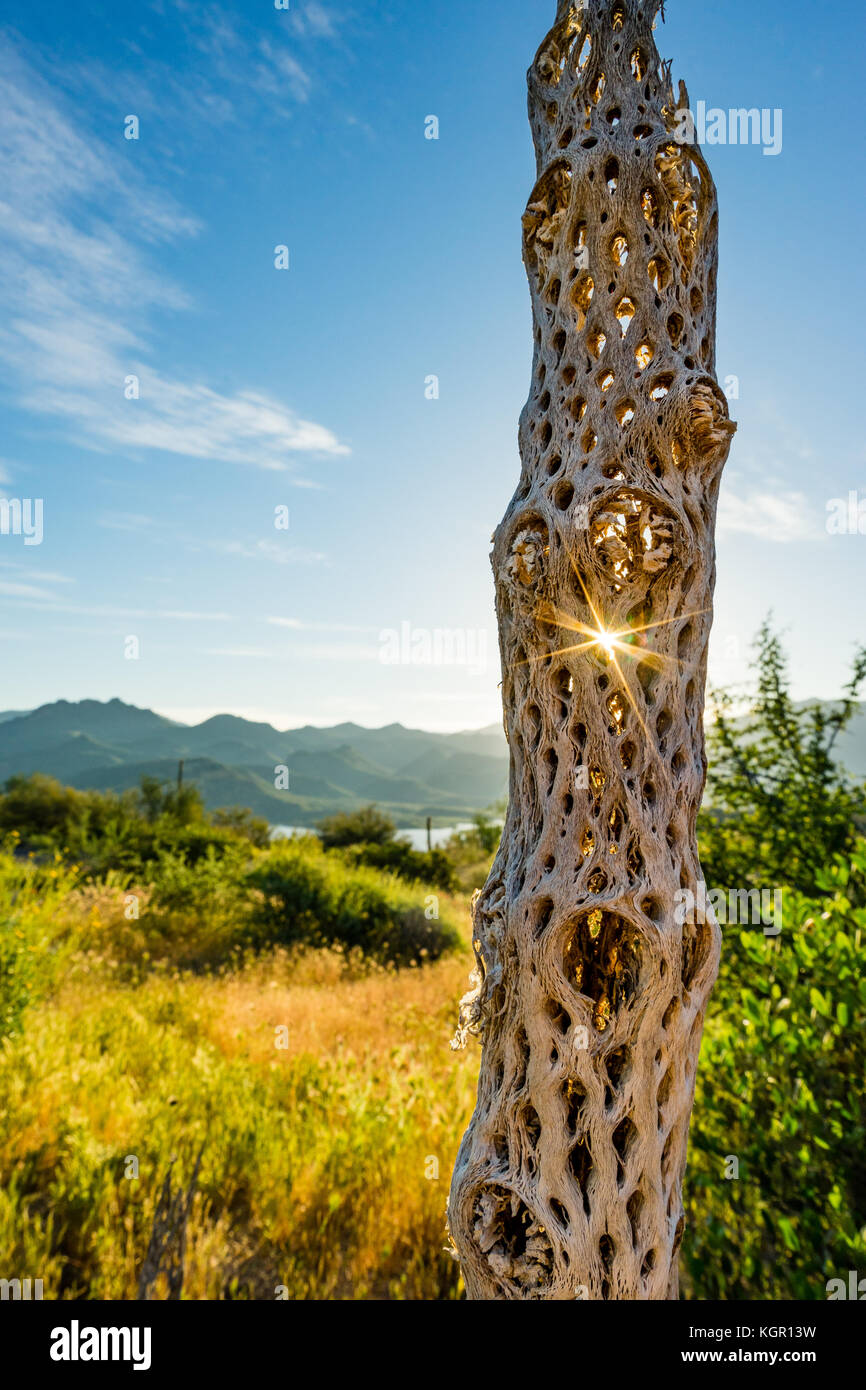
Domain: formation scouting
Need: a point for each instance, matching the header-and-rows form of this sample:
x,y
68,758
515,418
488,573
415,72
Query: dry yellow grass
x,y
328,1015
325,1160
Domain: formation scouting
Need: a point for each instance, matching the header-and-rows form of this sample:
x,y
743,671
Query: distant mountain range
x,y
407,772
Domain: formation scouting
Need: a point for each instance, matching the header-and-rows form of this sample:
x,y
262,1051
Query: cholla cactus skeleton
x,y
591,988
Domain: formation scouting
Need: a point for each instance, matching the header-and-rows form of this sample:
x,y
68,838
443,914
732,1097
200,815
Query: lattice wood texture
x,y
590,992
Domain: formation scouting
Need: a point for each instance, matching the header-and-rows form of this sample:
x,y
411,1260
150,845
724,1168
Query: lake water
x,y
417,838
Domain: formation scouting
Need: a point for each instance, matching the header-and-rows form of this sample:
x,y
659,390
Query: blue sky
x,y
305,389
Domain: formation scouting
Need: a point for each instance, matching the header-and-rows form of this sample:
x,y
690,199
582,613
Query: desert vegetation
x,y
173,986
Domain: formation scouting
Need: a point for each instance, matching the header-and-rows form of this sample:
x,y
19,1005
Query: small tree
x,y
781,806
181,804
38,805
368,826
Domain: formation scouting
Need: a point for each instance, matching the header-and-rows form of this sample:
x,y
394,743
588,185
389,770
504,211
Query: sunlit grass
x,y
319,1156
327,1105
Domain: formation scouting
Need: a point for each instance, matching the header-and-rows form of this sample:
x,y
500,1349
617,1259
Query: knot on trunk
x,y
711,428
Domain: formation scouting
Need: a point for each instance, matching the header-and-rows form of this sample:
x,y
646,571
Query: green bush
x,y
207,884
31,900
782,1089
368,826
40,807
398,857
243,823
471,851
317,898
130,832
779,806
17,977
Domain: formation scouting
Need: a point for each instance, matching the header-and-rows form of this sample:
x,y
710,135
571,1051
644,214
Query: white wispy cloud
x,y
125,521
313,19
282,68
241,66
42,576
298,625
769,515
181,616
49,604
80,287
344,652
14,590
241,653
271,550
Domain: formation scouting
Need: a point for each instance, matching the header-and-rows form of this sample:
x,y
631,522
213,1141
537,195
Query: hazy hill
x,y
408,772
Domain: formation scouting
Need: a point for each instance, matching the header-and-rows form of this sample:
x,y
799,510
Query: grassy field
x,y
322,1091
145,1027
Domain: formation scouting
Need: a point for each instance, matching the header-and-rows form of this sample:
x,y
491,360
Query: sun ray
x,y
666,622
611,643
631,701
560,651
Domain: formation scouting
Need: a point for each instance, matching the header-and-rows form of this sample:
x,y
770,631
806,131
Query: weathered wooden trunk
x,y
593,980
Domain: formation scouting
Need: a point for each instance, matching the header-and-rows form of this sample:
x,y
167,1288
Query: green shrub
x,y
196,915
17,977
779,805
368,826
243,823
31,897
40,806
398,857
782,1089
471,851
208,883
128,833
317,898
